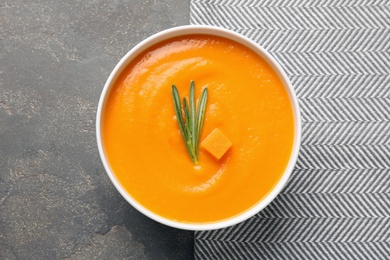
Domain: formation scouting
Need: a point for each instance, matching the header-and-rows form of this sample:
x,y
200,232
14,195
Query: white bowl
x,y
188,30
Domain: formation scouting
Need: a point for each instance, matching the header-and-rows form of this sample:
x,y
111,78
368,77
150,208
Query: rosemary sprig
x,y
191,123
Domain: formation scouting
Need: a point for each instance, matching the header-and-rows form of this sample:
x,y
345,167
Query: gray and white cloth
x,y
337,202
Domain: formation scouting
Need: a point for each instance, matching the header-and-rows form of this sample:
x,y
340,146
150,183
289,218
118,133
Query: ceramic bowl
x,y
188,30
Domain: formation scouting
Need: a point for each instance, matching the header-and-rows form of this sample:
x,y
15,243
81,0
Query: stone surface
x,y
101,247
56,201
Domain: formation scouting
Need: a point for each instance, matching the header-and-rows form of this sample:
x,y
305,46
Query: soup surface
x,y
247,102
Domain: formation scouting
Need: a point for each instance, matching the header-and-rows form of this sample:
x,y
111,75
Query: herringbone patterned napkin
x,y
337,202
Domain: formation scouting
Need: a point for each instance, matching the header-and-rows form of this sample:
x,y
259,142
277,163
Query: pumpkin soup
x,y
248,114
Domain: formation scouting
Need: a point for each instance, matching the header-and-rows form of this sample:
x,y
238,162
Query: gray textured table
x,y
55,199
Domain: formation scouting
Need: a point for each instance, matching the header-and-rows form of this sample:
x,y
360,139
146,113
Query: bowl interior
x,y
188,30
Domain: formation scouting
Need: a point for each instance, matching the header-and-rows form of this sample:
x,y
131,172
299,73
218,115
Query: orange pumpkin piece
x,y
216,143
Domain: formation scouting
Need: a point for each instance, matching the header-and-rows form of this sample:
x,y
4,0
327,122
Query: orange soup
x,y
247,102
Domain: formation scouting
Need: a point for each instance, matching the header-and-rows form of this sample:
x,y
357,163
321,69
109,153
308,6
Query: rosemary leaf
x,y
201,116
191,123
192,114
187,117
179,117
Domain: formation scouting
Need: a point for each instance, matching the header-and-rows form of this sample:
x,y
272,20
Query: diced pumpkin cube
x,y
216,143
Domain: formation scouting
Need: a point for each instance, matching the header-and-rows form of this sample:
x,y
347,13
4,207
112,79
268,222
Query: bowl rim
x,y
217,31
